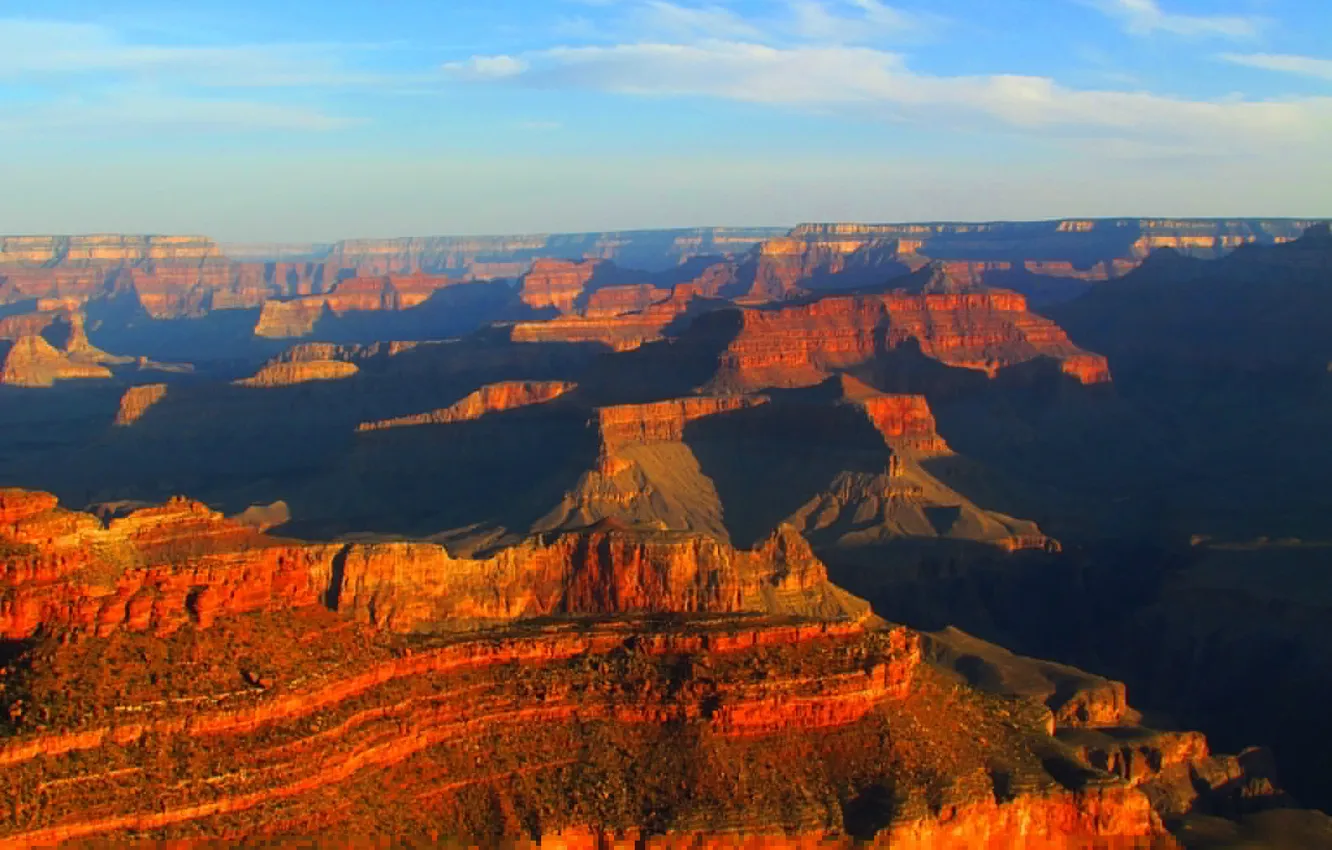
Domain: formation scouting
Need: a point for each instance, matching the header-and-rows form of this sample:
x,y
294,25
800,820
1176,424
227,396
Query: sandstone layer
x,y
492,398
800,344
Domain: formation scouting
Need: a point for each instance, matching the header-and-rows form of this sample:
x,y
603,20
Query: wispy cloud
x,y
673,20
152,111
481,68
855,21
868,82
1305,66
46,49
1146,17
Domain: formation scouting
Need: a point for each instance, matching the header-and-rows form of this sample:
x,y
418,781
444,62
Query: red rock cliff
x,y
492,398
800,344
662,421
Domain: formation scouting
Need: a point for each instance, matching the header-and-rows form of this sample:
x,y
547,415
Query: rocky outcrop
x,y
662,421
310,352
606,569
159,568
289,319
800,344
492,398
905,421
136,401
791,266
557,284
31,361
299,372
611,301
45,346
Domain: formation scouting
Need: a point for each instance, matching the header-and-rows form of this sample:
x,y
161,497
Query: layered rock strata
x,y
158,569
492,398
136,401
800,344
300,372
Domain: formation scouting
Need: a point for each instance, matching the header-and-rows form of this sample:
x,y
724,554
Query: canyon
x,y
673,538
271,650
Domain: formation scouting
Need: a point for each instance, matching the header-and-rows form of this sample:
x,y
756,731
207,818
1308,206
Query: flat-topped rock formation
x,y
492,398
801,343
105,248
299,372
160,568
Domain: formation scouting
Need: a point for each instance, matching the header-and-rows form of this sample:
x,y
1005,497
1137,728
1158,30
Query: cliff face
x,y
905,421
286,374
289,319
603,570
611,301
622,332
556,284
492,398
160,568
31,361
662,421
801,344
136,401
45,346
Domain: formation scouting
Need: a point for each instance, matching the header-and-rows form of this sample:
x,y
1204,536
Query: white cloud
x,y
1146,17
857,21
672,20
864,81
486,68
43,50
1306,66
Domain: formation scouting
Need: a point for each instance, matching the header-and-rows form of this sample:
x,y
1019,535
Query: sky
x,y
314,121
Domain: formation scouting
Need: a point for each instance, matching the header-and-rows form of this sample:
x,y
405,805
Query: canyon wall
x,y
801,343
492,398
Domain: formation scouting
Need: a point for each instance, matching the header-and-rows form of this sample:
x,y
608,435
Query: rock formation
x,y
557,284
242,656
905,421
136,401
662,421
610,301
800,344
159,568
492,398
299,372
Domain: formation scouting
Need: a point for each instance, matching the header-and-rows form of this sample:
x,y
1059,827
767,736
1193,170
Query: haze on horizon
x,y
254,121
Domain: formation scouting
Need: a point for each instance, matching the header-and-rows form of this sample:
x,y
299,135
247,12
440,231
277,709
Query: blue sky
x,y
300,120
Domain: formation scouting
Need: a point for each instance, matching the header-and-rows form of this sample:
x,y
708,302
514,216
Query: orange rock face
x,y
492,398
556,284
905,421
31,361
286,319
612,301
662,421
160,568
286,374
800,344
136,401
